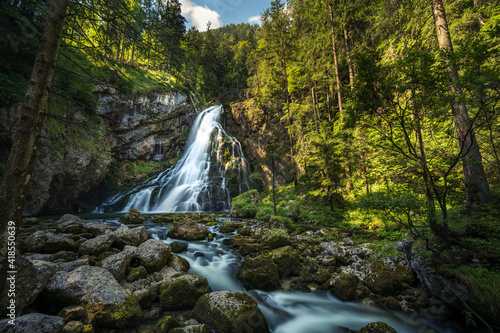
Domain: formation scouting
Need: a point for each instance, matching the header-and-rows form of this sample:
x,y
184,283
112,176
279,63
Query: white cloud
x,y
200,16
255,19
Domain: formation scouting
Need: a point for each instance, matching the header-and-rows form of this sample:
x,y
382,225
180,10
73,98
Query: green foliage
x,y
245,205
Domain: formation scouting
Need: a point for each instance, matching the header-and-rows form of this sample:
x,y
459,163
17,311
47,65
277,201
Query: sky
x,y
222,12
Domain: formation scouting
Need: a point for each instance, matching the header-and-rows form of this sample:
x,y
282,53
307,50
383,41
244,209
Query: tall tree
x,y
14,187
476,184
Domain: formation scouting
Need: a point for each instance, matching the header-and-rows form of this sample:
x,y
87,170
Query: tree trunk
x,y
337,75
314,109
476,184
349,61
14,186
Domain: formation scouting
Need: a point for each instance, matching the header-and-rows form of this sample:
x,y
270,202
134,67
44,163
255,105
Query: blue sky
x,y
222,12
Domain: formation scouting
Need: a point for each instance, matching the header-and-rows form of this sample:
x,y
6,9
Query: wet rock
x,y
229,312
163,219
183,291
377,327
132,217
200,328
245,230
229,227
98,245
33,322
178,263
129,236
117,264
166,324
347,287
389,276
178,247
153,255
259,273
188,230
104,300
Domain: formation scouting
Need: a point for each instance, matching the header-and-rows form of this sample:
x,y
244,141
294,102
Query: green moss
x,y
484,284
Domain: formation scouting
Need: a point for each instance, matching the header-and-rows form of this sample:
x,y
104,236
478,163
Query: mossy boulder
x,y
104,301
389,276
153,255
178,263
377,327
260,273
345,286
166,324
287,260
188,230
136,273
183,292
98,245
117,264
132,217
129,236
229,227
164,219
178,247
229,312
245,205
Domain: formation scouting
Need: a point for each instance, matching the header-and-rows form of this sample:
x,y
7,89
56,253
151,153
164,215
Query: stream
x,y
288,311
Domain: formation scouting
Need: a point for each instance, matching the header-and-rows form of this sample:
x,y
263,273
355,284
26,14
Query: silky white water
x,y
211,170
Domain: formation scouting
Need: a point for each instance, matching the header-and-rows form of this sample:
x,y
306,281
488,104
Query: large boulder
x,y
389,276
182,292
130,236
117,264
48,242
33,322
30,280
105,301
345,286
96,246
287,260
188,230
70,224
153,254
132,217
260,273
230,312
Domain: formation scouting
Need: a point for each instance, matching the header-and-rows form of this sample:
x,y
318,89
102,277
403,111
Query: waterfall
x,y
211,169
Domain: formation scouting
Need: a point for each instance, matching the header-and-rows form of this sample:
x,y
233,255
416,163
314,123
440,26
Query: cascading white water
x,y
212,168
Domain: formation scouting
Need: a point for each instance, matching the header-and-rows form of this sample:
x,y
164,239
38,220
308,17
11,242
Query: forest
x,y
385,113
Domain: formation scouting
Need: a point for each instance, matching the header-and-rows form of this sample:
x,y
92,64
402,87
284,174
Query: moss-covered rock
x,y
182,292
345,286
136,273
245,205
178,263
132,217
188,230
97,245
229,227
178,247
129,236
287,260
229,312
377,327
73,327
153,255
260,273
389,276
166,324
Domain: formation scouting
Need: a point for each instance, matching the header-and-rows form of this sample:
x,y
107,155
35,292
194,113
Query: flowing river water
x,y
288,311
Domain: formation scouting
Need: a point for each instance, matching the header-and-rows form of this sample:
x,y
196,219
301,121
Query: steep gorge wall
x,y
252,126
72,159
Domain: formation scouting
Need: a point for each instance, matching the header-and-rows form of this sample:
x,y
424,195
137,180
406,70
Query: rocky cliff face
x,y
152,127
71,159
255,130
